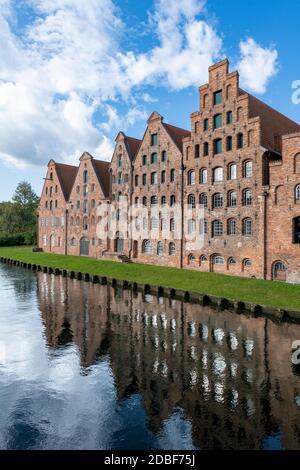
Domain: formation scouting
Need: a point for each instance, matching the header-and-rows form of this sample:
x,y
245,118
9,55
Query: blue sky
x,y
73,73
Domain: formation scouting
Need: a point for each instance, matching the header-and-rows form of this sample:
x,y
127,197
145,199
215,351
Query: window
x,y
188,151
163,176
56,189
153,201
46,205
197,151
239,113
247,263
154,223
228,143
247,197
196,127
218,121
154,139
160,248
205,125
217,259
191,226
172,249
45,240
144,179
93,188
203,200
217,174
154,178
93,203
247,227
126,178
231,227
203,176
147,247
205,149
217,97
85,206
232,171
191,201
232,199
154,158
172,175
191,258
217,146
297,163
136,180
229,117
217,200
240,141
202,259
231,261
73,241
85,223
205,101
163,201
297,193
145,223
144,201
51,204
203,226
136,202
172,225
191,177
164,156
247,169
296,230
85,176
172,200
51,176
51,191
144,159
56,204
217,228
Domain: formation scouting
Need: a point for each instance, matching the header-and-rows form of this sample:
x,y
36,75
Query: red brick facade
x,y
223,197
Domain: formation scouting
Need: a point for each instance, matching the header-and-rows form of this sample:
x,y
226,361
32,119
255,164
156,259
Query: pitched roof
x,y
102,171
133,145
177,134
273,123
66,175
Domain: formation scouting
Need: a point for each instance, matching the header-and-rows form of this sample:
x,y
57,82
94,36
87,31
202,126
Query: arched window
x,y
154,201
154,158
197,151
164,156
217,259
136,202
172,200
217,200
172,175
203,176
202,259
163,176
247,197
73,241
231,261
172,225
203,227
297,193
228,91
191,226
247,227
51,176
172,249
231,199
228,143
247,173
217,228
279,271
191,177
203,200
297,163
163,201
154,223
93,203
296,230
144,201
191,201
160,248
240,141
85,223
153,177
232,171
145,223
217,174
247,263
231,227
85,176
147,247
51,205
191,258
196,127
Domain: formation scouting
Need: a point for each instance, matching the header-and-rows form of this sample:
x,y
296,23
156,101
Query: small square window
x,y
218,97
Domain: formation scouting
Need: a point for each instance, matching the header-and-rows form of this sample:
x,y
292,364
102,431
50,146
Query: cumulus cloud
x,y
63,76
257,65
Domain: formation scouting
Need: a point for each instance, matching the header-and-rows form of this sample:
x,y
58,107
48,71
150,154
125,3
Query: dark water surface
x,y
84,366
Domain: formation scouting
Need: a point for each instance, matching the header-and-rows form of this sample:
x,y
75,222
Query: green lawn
x,y
268,293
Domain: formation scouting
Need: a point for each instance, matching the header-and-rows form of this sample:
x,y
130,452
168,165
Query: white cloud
x,y
257,65
68,66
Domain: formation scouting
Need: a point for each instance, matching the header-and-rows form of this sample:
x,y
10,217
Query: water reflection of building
x,y
230,374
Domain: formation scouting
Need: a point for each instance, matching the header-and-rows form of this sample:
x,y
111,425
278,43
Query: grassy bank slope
x,y
273,294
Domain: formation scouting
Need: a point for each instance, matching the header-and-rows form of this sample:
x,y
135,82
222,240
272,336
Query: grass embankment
x,y
268,293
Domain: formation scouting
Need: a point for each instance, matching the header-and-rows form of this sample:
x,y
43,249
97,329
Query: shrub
x,y
15,240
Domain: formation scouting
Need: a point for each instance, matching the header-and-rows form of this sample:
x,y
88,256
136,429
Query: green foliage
x,y
12,241
18,217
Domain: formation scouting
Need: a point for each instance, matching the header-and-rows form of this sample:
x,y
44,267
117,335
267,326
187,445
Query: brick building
x,y
224,197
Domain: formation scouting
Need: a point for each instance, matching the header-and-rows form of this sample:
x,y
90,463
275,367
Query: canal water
x,y
85,366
